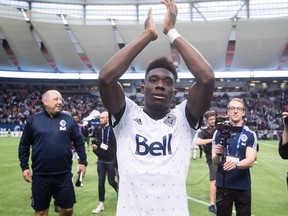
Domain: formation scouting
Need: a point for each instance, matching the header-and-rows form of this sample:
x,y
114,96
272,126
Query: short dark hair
x,y
91,105
75,114
162,62
209,113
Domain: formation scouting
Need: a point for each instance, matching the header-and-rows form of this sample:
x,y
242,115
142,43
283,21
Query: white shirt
x,y
153,160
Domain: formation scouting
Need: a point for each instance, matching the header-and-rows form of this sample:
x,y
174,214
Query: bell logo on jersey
x,y
156,148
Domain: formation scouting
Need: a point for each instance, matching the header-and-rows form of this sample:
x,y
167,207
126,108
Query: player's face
x,y
53,102
236,112
159,89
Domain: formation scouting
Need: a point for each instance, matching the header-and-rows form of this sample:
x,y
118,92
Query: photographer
x,y
104,146
204,140
234,150
283,144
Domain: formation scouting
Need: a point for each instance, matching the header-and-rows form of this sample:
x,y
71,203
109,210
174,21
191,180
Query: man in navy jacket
x,y
50,134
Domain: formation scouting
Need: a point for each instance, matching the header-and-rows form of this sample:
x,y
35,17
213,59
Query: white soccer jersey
x,y
153,160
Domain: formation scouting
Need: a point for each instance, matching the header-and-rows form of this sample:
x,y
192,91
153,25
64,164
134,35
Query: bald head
x,y
104,121
52,101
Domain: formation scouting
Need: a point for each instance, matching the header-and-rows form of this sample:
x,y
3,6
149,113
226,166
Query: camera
x,y
79,179
95,141
224,126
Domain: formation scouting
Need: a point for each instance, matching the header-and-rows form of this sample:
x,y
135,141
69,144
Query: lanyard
x,y
108,134
237,146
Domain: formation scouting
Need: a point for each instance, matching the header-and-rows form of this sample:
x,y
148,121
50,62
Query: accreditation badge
x,y
233,159
104,146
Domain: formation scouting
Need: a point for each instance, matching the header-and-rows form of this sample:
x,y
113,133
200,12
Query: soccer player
x,y
154,142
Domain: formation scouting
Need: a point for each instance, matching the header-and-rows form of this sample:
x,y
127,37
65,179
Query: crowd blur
x,y
263,108
263,112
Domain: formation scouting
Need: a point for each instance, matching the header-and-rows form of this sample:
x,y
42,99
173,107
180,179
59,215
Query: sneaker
x,y
212,209
98,209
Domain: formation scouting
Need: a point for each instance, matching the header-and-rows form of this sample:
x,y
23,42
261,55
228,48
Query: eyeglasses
x,y
235,108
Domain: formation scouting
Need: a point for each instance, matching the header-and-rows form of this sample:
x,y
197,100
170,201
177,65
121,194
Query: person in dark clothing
x,y
104,146
204,140
50,133
283,143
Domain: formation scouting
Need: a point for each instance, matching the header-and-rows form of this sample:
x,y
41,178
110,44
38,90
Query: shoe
x,y
98,209
212,209
57,209
82,185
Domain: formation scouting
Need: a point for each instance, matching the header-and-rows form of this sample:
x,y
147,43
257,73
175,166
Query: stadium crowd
x,y
264,107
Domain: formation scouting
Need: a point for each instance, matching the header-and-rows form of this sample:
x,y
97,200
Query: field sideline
x,y
269,188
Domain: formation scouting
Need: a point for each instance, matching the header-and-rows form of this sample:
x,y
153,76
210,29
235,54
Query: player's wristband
x,y
172,35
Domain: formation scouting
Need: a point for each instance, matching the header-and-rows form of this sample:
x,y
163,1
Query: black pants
x,y
103,168
240,198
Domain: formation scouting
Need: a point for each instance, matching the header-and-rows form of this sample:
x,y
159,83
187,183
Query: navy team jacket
x,y
51,139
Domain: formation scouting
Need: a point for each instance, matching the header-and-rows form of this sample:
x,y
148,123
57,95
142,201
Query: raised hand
x,y
150,25
170,16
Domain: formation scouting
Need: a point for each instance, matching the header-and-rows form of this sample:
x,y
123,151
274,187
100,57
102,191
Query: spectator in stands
x,y
234,154
283,144
204,140
50,134
104,146
154,141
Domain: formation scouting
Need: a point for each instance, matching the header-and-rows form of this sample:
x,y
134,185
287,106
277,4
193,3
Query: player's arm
x,y
200,141
285,130
249,160
283,143
197,65
112,94
24,152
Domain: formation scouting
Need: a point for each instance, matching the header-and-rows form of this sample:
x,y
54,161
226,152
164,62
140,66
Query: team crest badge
x,y
138,120
170,120
244,138
62,125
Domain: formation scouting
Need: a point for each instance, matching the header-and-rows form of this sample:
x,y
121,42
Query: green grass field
x,y
269,189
